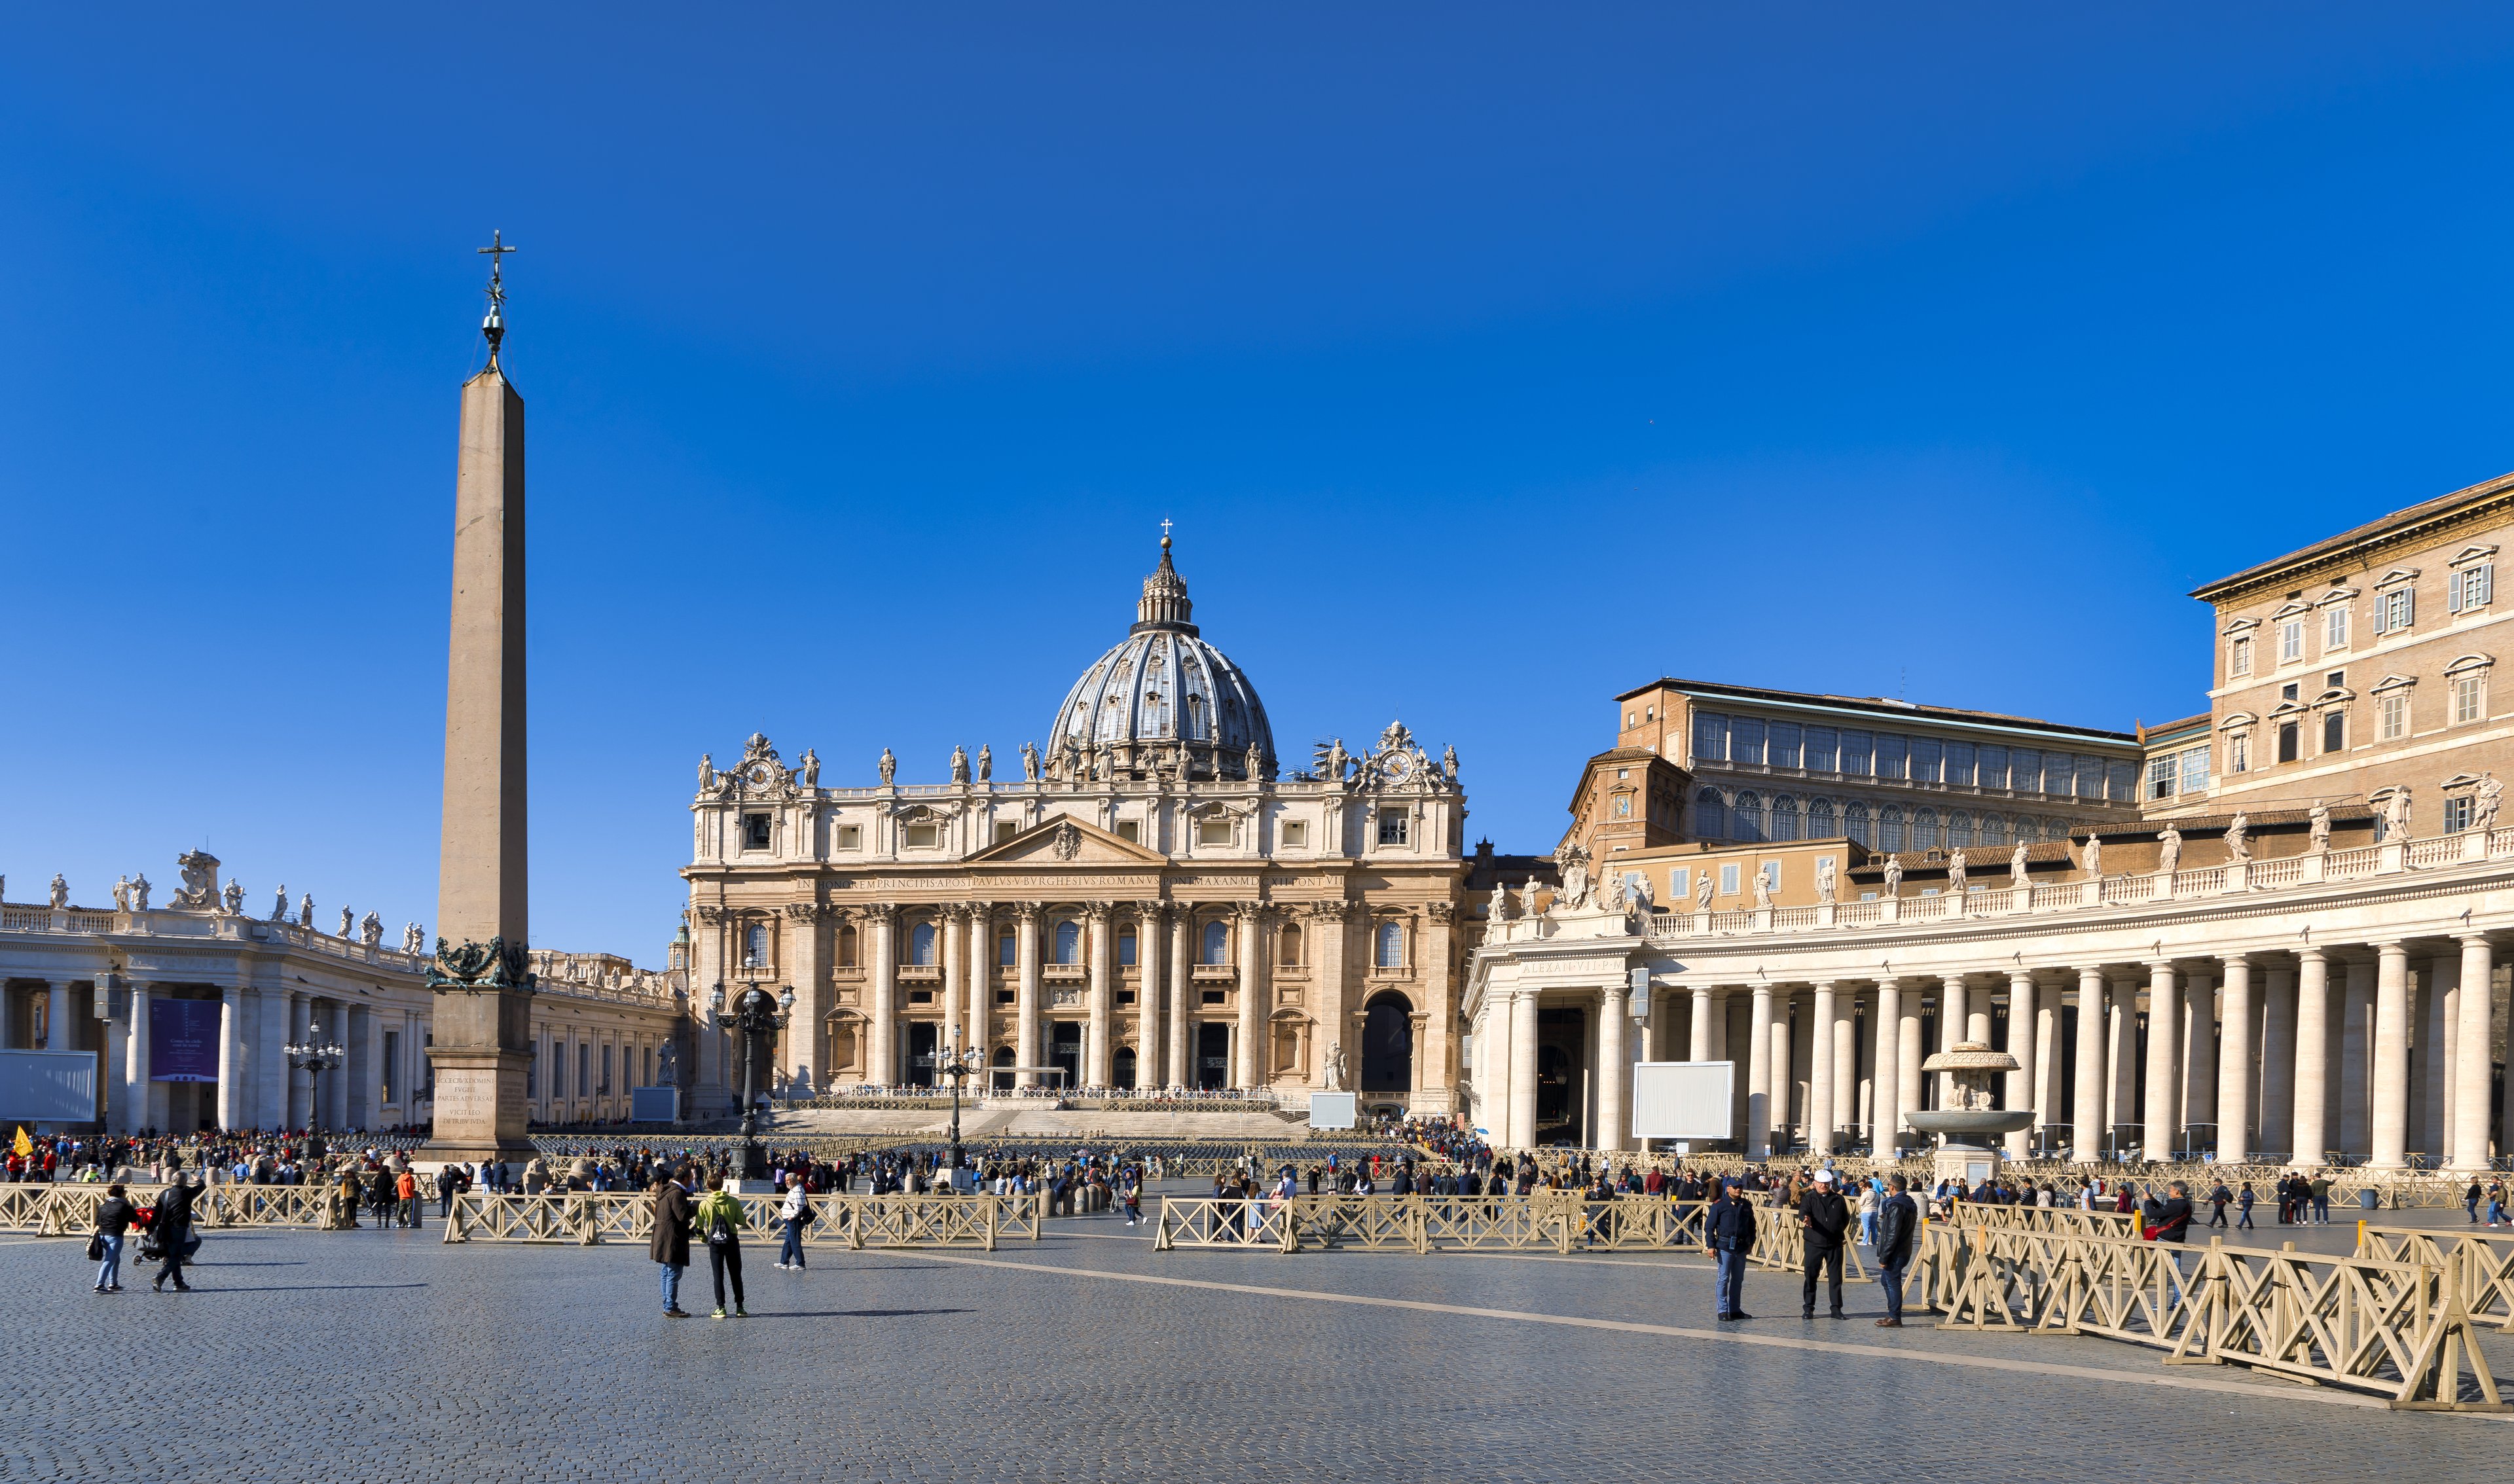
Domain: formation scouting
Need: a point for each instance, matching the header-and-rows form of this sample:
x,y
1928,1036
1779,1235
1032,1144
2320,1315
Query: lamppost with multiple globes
x,y
758,1019
314,1057
959,1066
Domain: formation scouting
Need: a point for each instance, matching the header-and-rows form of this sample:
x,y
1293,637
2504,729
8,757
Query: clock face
x,y
1396,768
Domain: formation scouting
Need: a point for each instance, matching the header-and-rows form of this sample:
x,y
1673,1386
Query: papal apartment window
x,y
2334,680
2287,692
1217,942
1729,879
1213,831
2335,628
2470,587
2239,752
1679,885
754,832
2456,814
2469,698
850,837
2288,741
921,945
2395,611
2238,656
1296,834
2290,641
2391,717
1392,826
2334,731
2195,770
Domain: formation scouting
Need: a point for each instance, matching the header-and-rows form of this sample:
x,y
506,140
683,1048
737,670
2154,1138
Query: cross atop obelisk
x,y
482,1033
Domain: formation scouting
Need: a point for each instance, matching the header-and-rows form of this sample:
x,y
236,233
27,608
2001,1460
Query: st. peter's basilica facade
x,y
1152,903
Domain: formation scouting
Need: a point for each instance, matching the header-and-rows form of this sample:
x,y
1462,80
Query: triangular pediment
x,y
1066,841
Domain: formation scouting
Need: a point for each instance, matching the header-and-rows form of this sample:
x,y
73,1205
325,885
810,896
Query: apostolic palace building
x,y
1148,899
2269,930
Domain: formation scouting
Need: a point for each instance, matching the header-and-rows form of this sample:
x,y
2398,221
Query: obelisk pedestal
x,y
482,1036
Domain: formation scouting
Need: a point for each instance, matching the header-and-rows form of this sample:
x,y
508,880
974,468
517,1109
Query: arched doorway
x,y
1002,1081
1122,1070
1388,1045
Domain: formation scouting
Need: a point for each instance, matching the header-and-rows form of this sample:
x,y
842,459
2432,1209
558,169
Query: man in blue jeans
x,y
1898,1227
1729,1230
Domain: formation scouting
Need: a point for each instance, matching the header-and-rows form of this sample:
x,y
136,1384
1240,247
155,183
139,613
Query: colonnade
x,y
2376,1050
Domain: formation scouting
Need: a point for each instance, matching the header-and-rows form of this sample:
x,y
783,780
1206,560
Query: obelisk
x,y
481,1040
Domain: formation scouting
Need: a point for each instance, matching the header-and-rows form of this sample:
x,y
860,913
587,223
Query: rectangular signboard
x,y
183,1041
1331,1111
654,1105
47,1087
1682,1100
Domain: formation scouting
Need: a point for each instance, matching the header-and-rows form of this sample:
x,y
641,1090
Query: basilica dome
x,y
1162,692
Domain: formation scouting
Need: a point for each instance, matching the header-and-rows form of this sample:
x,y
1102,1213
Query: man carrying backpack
x,y
720,1220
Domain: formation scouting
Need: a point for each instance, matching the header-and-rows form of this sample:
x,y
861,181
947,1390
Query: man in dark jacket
x,y
169,1232
1898,1227
2172,1214
671,1243
1729,1230
1823,1219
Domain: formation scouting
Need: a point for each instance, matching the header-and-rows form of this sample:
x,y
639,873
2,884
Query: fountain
x,y
1969,1113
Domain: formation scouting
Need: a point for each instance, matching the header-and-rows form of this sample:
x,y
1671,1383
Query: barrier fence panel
x,y
1206,1221
2481,1264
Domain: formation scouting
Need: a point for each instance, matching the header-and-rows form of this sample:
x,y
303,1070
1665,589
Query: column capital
x,y
1098,911
2313,954
2230,960
1027,912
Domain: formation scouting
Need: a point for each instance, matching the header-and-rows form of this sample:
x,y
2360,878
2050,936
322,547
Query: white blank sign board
x,y
1682,1100
47,1087
1331,1111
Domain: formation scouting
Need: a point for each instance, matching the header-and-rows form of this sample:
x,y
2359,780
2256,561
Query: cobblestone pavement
x,y
306,1356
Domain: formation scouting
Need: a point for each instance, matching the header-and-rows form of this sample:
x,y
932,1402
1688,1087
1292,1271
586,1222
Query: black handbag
x,y
95,1247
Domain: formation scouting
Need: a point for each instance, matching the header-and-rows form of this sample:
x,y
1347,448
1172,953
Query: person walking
x,y
719,1219
2470,1201
406,1189
2219,1197
670,1245
796,1214
1898,1227
2243,1199
1824,1220
114,1218
1729,1228
1871,1193
169,1230
2495,1201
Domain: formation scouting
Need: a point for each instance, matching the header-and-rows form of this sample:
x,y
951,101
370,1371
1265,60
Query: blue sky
x,y
1490,361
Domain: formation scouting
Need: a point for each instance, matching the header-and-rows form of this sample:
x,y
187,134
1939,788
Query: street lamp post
x,y
758,1019
314,1057
959,1066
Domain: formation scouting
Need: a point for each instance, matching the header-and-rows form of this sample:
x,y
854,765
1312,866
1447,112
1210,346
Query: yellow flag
x,y
23,1144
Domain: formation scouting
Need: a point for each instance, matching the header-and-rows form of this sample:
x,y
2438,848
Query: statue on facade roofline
x,y
1029,762
959,764
2320,839
279,908
305,911
1256,761
122,893
234,898
2482,809
61,891
413,941
1449,763
1640,884
2092,857
1702,892
1827,884
889,767
348,922
1894,875
1955,872
1528,898
2396,815
986,763
2169,850
811,768
1762,890
371,930
140,892
707,773
2238,846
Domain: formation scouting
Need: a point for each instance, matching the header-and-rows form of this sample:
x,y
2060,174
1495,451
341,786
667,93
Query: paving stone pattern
x,y
390,1355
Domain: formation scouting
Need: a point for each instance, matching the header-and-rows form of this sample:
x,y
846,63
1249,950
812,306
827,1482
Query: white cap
x,y
1824,1177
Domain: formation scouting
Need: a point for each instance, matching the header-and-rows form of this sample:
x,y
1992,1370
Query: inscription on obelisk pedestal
x,y
482,1032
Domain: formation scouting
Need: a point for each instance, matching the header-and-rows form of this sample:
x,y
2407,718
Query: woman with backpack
x,y
719,1222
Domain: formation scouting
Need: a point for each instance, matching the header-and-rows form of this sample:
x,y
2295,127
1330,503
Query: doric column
x,y
1821,1072
1103,998
270,1061
1846,1111
2198,1052
2473,1015
1026,994
881,1063
2356,1046
1147,994
981,1016
1909,1079
2050,1056
1701,1045
2087,1131
1759,1073
2021,1045
1885,1102
1522,1070
1783,1081
2276,1117
2438,1028
136,1065
2389,1112
1493,1053
2163,1018
2309,1130
2121,1057
1250,1063
231,1055
2235,1073
1182,995
1952,1027
1613,1062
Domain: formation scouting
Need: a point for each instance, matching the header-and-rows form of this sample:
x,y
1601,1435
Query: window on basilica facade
x,y
1068,941
921,944
754,832
1392,826
1392,945
922,836
1296,834
1213,832
1217,942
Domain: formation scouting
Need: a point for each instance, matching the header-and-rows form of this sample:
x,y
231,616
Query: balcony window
x,y
1068,941
1390,947
1217,942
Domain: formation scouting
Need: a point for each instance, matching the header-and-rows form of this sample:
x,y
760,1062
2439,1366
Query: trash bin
x,y
2367,1198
